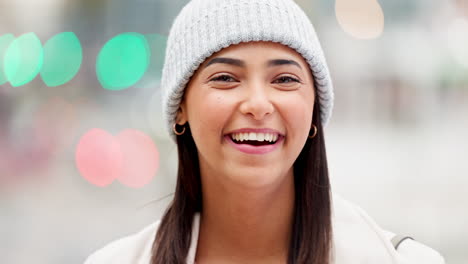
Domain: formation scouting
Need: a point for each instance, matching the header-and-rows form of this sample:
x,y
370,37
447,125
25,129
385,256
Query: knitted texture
x,y
204,27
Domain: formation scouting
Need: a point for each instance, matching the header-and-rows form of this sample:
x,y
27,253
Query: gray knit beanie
x,y
204,27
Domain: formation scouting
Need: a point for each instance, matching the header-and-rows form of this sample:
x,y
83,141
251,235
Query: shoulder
x,y
356,233
135,248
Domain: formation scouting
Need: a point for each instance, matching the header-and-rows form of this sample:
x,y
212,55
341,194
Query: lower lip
x,y
250,149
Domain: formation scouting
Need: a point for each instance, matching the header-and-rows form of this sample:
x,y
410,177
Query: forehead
x,y
258,50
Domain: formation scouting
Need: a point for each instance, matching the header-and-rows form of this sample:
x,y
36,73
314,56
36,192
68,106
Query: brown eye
x,y
287,79
222,78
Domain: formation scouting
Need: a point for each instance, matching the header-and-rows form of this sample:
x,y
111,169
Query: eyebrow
x,y
241,63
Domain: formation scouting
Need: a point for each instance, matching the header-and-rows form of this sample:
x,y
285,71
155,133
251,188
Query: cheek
x,y
298,111
208,115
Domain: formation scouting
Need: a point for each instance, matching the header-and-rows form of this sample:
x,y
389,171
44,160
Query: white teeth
x,y
270,137
244,136
260,137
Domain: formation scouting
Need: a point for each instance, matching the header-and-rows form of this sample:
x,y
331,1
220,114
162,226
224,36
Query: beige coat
x,y
357,240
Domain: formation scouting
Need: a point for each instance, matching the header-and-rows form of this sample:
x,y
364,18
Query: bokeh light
x,y
157,45
23,59
362,19
99,157
62,59
141,158
131,157
123,61
5,41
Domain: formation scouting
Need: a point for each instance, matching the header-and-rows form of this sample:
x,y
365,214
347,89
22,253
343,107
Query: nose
x,y
257,102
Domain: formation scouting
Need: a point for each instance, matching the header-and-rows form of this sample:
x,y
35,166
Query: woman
x,y
247,92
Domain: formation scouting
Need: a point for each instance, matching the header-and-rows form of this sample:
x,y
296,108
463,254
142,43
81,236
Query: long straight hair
x,y
311,240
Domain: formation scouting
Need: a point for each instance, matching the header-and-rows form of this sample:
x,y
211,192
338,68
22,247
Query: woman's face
x,y
262,90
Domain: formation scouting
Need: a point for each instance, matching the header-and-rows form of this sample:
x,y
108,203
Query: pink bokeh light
x,y
131,157
141,158
99,157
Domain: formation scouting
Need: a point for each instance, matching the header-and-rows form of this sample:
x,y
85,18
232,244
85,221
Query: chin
x,y
253,178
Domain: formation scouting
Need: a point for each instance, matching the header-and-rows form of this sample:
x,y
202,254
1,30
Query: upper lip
x,y
256,130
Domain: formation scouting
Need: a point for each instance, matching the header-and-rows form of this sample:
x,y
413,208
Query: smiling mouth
x,y
260,139
253,145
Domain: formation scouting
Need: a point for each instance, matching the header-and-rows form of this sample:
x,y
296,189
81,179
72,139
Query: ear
x,y
181,117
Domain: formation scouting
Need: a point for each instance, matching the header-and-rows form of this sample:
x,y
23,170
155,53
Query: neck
x,y
246,224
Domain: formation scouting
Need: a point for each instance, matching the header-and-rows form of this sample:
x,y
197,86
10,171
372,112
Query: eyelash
x,y
282,77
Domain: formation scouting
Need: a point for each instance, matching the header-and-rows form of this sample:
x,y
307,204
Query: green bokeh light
x,y
123,61
5,42
157,44
23,59
62,59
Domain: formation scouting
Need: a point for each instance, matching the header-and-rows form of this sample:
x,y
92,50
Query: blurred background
x,y
80,102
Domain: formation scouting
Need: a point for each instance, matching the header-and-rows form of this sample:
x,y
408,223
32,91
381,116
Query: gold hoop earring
x,y
177,132
315,132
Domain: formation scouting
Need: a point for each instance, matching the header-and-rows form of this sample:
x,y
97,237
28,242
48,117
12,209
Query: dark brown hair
x,y
311,240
